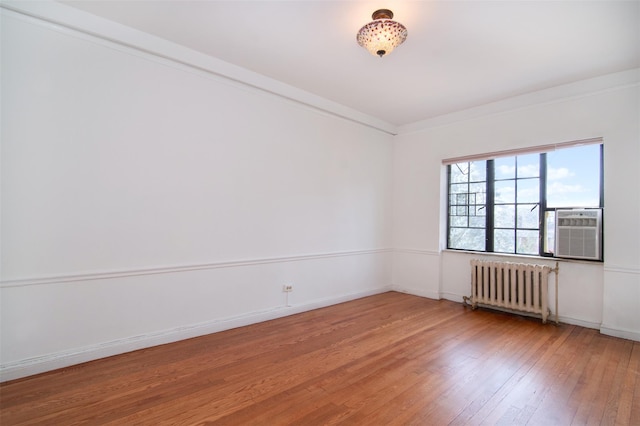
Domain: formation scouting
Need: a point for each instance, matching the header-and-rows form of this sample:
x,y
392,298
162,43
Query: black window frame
x,y
542,207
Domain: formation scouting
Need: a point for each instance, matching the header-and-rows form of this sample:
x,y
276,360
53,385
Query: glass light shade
x,y
383,35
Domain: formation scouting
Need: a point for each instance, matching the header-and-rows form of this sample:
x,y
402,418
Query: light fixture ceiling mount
x,y
382,35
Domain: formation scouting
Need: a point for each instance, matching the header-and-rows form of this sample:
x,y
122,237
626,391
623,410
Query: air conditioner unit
x,y
579,234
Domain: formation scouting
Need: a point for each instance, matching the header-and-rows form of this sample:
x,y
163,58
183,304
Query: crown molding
x,y
562,93
67,19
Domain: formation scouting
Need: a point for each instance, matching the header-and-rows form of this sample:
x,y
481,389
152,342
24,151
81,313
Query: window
x,y
507,204
467,205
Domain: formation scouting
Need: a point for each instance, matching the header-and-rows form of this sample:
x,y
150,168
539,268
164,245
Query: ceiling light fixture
x,y
382,35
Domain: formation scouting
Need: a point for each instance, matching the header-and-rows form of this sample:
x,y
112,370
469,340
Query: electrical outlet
x,y
287,288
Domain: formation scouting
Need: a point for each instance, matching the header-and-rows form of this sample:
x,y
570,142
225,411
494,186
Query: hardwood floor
x,y
389,359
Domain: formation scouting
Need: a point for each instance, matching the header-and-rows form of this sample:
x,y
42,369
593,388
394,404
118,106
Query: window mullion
x,y
449,206
490,191
543,203
601,176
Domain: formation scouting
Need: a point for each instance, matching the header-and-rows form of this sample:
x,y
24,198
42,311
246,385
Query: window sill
x,y
525,257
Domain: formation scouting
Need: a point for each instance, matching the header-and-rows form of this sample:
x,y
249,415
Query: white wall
x,y
605,296
144,201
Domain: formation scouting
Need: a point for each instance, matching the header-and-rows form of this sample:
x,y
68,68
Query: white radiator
x,y
514,286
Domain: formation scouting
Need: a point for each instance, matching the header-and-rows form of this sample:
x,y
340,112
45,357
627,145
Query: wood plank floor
x,y
389,359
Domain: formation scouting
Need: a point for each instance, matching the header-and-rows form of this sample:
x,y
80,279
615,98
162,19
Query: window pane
x,y
479,210
505,168
462,211
478,189
459,188
478,221
573,177
527,242
478,171
528,165
458,221
549,231
467,205
467,238
505,191
528,216
459,172
504,216
528,190
504,241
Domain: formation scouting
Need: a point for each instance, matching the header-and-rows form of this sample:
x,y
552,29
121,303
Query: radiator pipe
x,y
556,270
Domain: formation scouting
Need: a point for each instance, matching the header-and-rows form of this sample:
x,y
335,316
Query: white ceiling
x,y
459,54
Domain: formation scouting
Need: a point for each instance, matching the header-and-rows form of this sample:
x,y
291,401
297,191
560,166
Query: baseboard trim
x,y
621,333
578,322
416,292
566,320
452,297
37,365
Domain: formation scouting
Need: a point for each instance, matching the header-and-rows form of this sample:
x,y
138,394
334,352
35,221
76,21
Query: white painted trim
x,y
417,251
91,276
621,333
562,93
521,151
31,366
71,21
566,320
622,269
575,321
452,296
416,292
523,258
